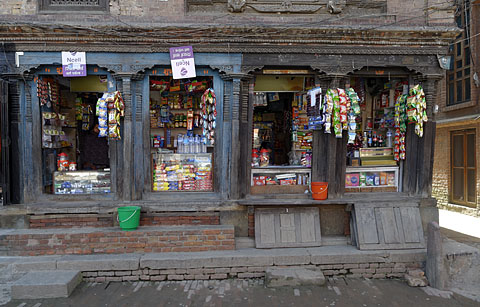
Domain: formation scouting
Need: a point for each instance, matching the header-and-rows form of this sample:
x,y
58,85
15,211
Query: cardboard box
x,y
352,180
259,180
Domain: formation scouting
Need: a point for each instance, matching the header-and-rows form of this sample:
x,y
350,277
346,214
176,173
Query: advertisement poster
x,y
183,64
74,64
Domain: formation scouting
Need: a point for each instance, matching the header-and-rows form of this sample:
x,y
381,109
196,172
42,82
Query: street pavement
x,y
337,292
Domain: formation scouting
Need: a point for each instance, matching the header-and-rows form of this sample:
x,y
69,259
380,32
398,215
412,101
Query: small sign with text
x,y
183,64
74,64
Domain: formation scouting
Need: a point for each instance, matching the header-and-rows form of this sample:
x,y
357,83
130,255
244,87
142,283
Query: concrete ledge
x,y
346,261
99,262
43,263
46,284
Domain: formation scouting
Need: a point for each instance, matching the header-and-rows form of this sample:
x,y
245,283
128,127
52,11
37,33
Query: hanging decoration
x,y
416,108
209,115
400,124
354,110
110,107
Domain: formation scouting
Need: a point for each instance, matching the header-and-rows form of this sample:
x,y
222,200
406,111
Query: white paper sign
x,y
183,64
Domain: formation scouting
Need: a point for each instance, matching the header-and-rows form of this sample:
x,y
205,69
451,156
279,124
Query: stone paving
x,y
251,292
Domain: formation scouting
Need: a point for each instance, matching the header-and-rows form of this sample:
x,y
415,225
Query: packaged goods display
x,y
75,156
182,172
81,182
182,126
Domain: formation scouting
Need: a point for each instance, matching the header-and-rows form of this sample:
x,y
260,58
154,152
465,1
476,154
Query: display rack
x,y
280,180
82,182
182,172
371,179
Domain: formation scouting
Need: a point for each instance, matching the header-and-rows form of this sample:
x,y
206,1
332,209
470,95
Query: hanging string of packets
x,y
400,123
110,107
339,107
209,115
416,108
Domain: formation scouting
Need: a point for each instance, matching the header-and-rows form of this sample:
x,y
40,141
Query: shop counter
x,y
82,182
280,180
371,179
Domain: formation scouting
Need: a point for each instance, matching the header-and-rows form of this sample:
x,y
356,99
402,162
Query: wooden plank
x,y
307,227
287,228
425,160
410,164
278,189
267,228
340,165
367,226
410,226
389,225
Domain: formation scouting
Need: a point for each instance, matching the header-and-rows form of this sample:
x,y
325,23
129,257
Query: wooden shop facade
x,y
238,141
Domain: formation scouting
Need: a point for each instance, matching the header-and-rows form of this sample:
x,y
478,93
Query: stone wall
x,y
348,270
389,11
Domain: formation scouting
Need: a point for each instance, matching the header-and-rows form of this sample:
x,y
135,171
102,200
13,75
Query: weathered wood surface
x,y
287,227
388,227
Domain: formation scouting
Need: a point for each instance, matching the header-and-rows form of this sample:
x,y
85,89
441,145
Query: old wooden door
x,y
387,226
287,227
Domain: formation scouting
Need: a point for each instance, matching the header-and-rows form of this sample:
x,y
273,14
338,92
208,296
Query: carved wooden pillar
x,y
418,165
139,155
329,160
235,165
426,144
124,170
17,159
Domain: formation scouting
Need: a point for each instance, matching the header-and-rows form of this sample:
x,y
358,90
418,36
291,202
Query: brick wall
x,y
348,270
114,241
109,220
441,170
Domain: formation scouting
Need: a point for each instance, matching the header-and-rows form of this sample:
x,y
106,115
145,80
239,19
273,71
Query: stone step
x,y
46,284
244,242
294,276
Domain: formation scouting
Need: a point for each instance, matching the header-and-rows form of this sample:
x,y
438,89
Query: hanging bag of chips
x,y
209,115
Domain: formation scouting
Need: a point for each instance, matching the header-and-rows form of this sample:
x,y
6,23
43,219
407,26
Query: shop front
x,y
124,131
356,130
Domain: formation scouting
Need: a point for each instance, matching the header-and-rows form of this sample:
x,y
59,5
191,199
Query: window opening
x,y
182,134
458,78
463,168
75,159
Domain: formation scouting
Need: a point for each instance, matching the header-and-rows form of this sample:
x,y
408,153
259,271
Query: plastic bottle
x,y
389,139
375,139
181,148
370,140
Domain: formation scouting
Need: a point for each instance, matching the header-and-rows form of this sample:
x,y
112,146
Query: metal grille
x,y
75,2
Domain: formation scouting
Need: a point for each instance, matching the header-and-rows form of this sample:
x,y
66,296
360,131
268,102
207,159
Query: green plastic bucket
x,y
128,217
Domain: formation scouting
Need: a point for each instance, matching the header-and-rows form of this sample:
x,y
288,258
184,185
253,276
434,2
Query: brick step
x,y
46,284
76,220
112,240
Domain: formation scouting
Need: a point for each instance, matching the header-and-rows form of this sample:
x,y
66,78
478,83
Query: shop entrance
x,y
4,145
281,139
75,147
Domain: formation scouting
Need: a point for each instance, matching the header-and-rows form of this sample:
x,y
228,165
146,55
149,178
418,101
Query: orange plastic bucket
x,y
320,190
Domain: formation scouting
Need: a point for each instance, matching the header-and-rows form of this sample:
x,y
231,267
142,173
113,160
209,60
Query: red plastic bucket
x,y
320,190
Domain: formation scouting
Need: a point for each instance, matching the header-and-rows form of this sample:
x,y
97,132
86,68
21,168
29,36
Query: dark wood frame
x,y
465,167
460,57
46,6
